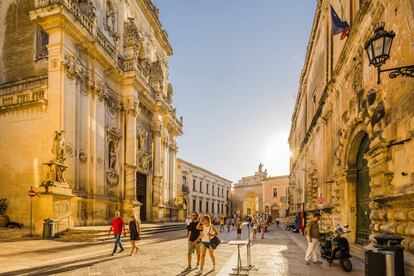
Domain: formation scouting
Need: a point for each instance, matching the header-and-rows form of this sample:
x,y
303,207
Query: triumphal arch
x,y
86,112
247,194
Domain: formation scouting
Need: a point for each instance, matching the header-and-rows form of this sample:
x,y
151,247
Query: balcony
x,y
46,8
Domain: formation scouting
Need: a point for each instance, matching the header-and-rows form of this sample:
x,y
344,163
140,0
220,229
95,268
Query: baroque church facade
x,y
86,112
352,138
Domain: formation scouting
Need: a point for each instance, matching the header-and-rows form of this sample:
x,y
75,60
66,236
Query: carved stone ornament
x,y
131,106
112,177
132,37
156,75
99,161
82,156
341,137
68,150
374,112
73,68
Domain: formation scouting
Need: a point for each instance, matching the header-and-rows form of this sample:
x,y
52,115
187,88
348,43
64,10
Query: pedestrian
x,y
228,223
277,222
222,224
312,234
194,240
238,228
117,226
233,221
254,227
188,220
134,232
262,227
209,232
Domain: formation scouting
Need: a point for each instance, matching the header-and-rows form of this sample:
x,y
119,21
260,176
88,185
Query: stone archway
x,y
357,192
250,204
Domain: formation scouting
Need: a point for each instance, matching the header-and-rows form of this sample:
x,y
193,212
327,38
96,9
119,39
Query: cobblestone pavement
x,y
279,253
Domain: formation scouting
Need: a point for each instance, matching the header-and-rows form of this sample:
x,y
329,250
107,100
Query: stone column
x,y
130,144
157,173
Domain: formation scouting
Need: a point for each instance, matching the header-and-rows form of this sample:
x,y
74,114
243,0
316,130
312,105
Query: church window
x,y
42,40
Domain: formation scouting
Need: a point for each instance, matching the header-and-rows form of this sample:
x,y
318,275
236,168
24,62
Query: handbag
x,y
214,242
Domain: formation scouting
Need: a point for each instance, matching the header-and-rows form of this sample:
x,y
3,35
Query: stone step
x,y
100,233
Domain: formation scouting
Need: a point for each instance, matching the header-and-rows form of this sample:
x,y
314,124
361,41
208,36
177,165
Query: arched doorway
x,y
362,193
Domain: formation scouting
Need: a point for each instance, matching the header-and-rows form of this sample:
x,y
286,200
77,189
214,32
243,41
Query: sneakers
x,y
188,268
317,262
306,263
199,272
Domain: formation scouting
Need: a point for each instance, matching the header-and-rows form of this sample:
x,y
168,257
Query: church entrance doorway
x,y
141,195
362,194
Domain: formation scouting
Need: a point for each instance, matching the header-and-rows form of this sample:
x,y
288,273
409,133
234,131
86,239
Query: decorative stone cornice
x,y
73,68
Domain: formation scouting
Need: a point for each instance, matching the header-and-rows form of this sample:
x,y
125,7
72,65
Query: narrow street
x,y
279,253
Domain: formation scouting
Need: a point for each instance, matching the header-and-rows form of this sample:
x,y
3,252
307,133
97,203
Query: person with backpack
x,y
209,232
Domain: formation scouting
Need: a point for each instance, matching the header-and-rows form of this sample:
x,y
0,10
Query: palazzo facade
x,y
352,139
86,112
203,191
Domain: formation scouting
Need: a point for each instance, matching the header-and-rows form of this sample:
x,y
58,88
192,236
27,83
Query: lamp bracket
x,y
404,71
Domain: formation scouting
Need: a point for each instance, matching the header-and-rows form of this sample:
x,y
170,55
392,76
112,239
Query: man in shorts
x,y
194,240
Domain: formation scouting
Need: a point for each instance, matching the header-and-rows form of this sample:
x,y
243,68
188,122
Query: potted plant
x,y
4,219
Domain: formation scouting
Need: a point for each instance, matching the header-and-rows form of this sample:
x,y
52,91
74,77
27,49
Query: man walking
x,y
118,227
228,223
312,234
194,240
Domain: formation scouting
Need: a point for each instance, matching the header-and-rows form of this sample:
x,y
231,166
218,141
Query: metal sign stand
x,y
31,194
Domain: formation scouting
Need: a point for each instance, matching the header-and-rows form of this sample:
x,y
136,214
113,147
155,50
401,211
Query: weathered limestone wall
x,y
17,37
353,105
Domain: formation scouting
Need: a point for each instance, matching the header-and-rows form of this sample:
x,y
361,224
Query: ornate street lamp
x,y
378,48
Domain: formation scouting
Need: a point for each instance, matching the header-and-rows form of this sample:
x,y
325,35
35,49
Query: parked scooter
x,y
336,247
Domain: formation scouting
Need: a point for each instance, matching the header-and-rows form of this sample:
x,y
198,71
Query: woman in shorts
x,y
209,232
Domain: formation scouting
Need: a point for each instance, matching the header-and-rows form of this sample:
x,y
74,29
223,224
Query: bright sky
x,y
235,73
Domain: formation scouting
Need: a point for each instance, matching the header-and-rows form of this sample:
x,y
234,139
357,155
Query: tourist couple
x,y
118,226
200,234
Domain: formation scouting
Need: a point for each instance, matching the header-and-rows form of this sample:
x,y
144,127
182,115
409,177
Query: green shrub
x,y
3,205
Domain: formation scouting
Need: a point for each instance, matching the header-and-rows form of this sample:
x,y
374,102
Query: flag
x,y
339,26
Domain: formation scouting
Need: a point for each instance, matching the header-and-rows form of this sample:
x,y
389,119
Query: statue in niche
x,y
112,155
58,147
110,17
143,139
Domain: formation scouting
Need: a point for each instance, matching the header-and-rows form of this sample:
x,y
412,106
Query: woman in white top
x,y
209,232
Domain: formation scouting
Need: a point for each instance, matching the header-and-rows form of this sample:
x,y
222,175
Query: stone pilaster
x,y
131,109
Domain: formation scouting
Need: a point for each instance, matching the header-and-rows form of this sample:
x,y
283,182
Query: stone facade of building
x,y
203,191
275,196
352,139
247,194
86,112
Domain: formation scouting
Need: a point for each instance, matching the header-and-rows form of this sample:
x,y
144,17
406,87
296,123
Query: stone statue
x,y
112,155
58,147
260,167
143,139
